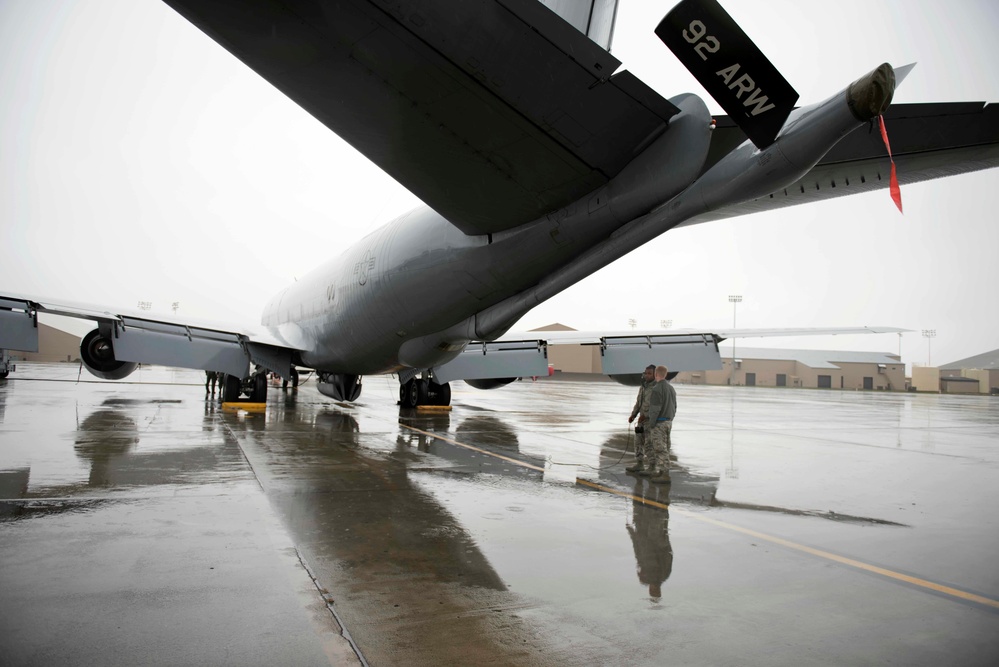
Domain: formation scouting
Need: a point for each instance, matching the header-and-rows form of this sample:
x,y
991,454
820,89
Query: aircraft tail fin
x,y
713,47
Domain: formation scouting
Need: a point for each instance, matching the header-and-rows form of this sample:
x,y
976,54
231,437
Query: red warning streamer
x,y
896,192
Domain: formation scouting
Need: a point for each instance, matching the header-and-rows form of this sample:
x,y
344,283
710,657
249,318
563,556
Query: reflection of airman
x,y
662,409
211,377
649,532
643,453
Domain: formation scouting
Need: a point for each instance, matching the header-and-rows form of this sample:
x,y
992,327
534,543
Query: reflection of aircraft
x,y
540,164
108,440
356,512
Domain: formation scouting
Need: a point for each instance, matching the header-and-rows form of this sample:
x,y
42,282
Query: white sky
x,y
140,161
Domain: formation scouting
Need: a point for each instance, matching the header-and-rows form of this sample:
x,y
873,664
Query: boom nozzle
x,y
869,96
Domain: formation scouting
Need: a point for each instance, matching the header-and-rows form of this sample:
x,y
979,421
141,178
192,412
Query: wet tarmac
x,y
139,524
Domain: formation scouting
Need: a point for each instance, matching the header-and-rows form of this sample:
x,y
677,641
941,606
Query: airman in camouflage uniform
x,y
643,449
662,409
211,377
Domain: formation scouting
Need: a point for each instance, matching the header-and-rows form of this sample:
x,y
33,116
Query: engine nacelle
x,y
339,387
489,383
97,354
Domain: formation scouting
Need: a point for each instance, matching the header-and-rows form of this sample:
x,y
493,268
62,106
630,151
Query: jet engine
x,y
98,357
489,383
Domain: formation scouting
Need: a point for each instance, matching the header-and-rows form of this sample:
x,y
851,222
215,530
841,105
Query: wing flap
x,y
18,326
627,355
176,348
493,112
496,360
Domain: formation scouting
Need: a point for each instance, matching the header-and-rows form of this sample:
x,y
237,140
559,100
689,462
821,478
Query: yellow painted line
x,y
860,565
433,408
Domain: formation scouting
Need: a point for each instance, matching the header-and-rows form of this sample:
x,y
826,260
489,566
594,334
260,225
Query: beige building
x,y
817,369
974,375
53,345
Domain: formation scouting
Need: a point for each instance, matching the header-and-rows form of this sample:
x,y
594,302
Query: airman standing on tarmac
x,y
643,450
662,409
211,377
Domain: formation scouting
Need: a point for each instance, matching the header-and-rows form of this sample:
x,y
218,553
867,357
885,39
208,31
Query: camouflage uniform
x,y
662,409
643,448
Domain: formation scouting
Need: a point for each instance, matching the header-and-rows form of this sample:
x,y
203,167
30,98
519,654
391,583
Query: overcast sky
x,y
139,161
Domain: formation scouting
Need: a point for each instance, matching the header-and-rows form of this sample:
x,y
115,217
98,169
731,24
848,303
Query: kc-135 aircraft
x,y
540,162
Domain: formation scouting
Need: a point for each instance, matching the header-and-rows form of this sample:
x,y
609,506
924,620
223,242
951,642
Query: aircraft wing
x,y
493,112
927,140
138,338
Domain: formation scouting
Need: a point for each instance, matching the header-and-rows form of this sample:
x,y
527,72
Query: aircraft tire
x,y
231,388
259,394
439,394
403,394
412,393
4,374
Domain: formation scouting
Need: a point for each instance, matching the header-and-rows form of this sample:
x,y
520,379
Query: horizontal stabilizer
x,y
730,67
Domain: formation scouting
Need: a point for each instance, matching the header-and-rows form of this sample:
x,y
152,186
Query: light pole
x,y
735,299
929,334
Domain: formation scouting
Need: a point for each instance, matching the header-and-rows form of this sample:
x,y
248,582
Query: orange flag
x,y
896,192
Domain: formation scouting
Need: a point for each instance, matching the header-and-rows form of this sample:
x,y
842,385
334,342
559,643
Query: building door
x,y
750,379
781,380
868,383
825,382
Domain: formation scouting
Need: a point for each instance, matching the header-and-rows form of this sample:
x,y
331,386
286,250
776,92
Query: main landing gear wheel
x,y
439,394
231,388
413,393
417,392
259,393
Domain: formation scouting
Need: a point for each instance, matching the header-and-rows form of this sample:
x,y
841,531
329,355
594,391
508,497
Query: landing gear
x,y
413,393
419,392
231,388
255,388
439,394
258,392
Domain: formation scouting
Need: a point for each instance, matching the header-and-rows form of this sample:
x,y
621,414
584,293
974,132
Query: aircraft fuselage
x,y
413,293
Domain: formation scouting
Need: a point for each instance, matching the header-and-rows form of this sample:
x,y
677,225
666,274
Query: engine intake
x,y
97,354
